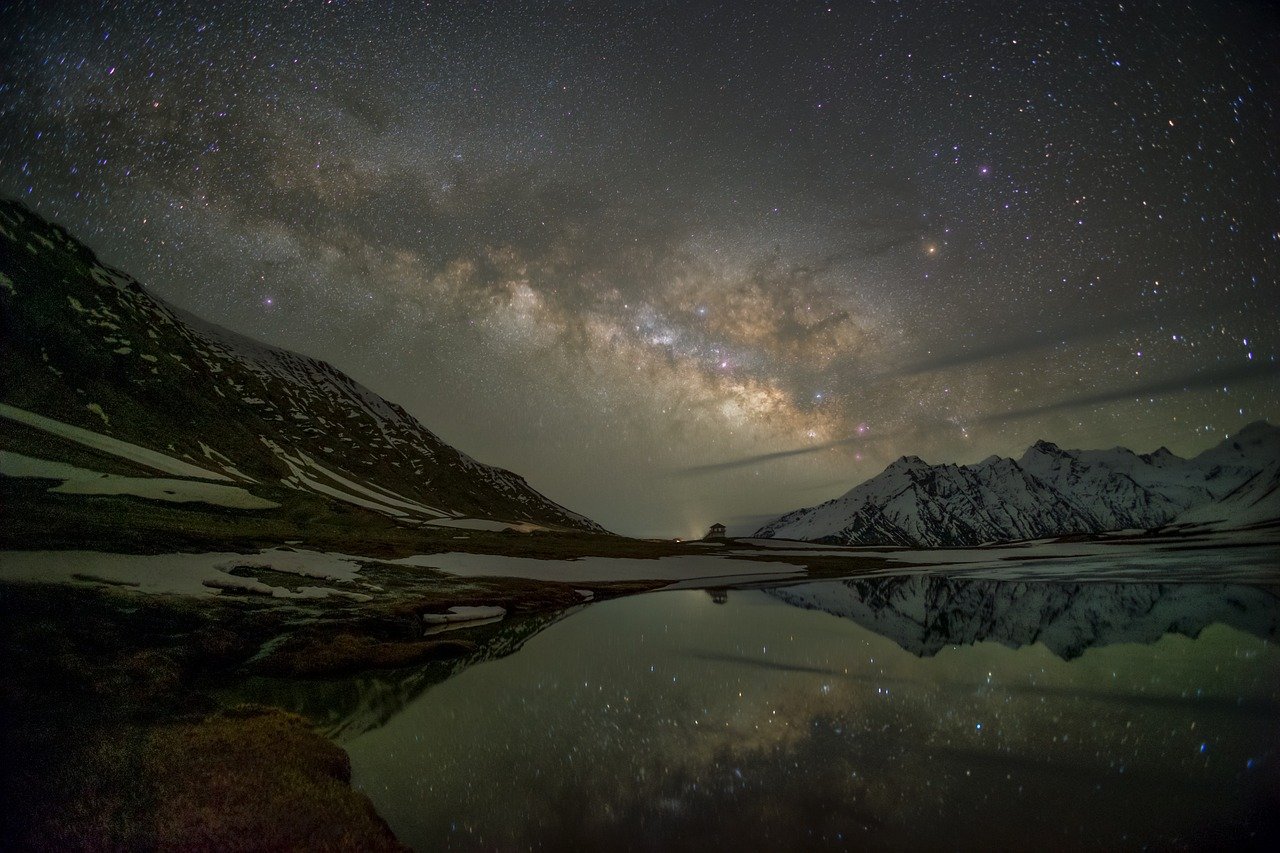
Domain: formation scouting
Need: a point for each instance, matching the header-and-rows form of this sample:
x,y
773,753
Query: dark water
x,y
916,713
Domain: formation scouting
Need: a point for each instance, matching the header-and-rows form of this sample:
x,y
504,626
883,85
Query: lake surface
x,y
899,712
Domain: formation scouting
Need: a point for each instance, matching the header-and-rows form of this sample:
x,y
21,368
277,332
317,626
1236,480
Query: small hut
x,y
716,531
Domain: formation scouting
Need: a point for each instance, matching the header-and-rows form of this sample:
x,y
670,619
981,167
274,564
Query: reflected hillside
x,y
924,614
344,708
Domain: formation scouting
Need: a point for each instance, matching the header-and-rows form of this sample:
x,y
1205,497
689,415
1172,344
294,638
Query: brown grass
x,y
247,779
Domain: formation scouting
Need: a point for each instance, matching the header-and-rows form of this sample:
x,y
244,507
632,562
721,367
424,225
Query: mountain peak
x,y
907,463
1043,455
1259,440
1160,457
1259,429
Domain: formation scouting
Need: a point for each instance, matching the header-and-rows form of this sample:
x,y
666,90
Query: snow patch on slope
x,y
82,481
106,444
302,468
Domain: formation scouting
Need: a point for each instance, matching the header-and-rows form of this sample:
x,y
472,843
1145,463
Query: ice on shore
x,y
465,614
182,574
600,569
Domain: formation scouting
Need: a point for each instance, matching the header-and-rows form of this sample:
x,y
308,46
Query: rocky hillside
x,y
1050,492
88,355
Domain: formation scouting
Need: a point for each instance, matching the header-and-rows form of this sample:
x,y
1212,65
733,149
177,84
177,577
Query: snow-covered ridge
x,y
1050,492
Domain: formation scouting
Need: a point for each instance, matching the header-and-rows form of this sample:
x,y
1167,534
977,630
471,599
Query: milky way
x,y
642,253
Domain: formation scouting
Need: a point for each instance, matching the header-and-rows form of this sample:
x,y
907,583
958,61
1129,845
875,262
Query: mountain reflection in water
x,y
896,712
926,613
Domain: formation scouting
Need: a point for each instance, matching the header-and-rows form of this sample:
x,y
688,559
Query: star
x,y
521,214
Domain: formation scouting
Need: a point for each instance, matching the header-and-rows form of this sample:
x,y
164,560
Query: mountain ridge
x,y
88,346
924,614
1049,491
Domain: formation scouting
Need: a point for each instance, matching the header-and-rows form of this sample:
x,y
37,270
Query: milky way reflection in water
x,y
919,712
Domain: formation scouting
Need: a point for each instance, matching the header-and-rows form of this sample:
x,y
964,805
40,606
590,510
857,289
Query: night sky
x,y
642,253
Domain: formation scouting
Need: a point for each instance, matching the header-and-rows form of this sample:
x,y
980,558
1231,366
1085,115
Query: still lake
x,y
915,712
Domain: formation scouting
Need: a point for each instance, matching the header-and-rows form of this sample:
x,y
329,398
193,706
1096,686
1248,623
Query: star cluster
x,y
614,245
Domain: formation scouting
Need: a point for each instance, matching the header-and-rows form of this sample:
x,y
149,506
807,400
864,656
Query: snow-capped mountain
x,y
1050,492
926,613
89,357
